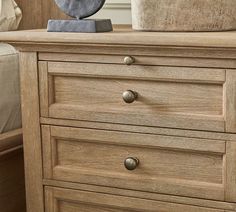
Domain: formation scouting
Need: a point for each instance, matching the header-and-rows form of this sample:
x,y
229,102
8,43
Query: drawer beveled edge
x,y
186,121
142,195
209,190
140,129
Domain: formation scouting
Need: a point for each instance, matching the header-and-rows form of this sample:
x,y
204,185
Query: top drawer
x,y
175,97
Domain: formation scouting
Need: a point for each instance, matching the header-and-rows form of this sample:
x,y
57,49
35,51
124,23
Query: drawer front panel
x,y
65,200
167,96
170,165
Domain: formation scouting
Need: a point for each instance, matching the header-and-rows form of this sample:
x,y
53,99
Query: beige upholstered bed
x,y
10,114
12,191
12,195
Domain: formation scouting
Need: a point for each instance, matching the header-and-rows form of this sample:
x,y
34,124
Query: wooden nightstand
x,y
128,121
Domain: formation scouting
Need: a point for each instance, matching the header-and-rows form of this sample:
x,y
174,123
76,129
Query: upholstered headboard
x,y
37,12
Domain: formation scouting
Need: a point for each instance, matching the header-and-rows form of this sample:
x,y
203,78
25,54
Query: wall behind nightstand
x,y
118,10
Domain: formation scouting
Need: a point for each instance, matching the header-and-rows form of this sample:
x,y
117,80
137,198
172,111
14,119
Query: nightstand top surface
x,y
124,37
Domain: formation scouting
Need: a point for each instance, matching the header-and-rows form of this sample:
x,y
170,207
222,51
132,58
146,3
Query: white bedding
x,y
10,112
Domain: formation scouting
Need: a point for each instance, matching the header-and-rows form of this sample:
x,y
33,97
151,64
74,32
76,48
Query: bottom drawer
x,y
66,200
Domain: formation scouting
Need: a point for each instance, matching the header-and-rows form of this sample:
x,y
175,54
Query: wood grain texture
x,y
186,97
100,69
43,88
143,195
47,152
169,165
51,11
155,55
66,200
125,37
31,131
193,170
140,129
230,101
37,13
119,52
11,139
182,15
158,56
230,194
32,14
12,184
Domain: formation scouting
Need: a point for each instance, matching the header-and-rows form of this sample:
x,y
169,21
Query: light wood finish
x,y
143,195
149,56
125,37
31,131
74,114
97,157
153,73
231,171
65,200
10,139
230,101
44,88
141,129
168,97
159,56
12,187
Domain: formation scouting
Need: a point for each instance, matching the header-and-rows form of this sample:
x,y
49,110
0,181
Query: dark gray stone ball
x,y
80,8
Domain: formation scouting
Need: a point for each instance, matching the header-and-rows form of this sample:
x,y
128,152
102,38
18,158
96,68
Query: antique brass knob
x,y
131,163
129,60
130,96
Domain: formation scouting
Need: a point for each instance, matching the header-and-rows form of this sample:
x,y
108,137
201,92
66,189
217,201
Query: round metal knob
x,y
131,163
129,60
130,96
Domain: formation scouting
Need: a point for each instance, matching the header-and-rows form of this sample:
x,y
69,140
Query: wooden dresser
x,y
128,121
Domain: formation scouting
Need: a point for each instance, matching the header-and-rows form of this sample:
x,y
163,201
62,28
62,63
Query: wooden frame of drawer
x,y
66,200
220,109
63,148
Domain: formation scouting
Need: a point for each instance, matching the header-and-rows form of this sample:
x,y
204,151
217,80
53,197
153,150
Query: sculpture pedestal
x,y
85,25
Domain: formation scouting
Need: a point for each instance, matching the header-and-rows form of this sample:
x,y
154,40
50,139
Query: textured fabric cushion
x,y
10,15
10,113
184,15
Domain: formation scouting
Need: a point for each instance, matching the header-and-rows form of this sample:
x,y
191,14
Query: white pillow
x,y
10,15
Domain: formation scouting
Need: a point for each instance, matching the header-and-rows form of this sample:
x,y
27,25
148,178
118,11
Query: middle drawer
x,y
162,164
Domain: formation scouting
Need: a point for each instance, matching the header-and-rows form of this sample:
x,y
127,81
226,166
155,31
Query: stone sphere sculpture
x,y
79,10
